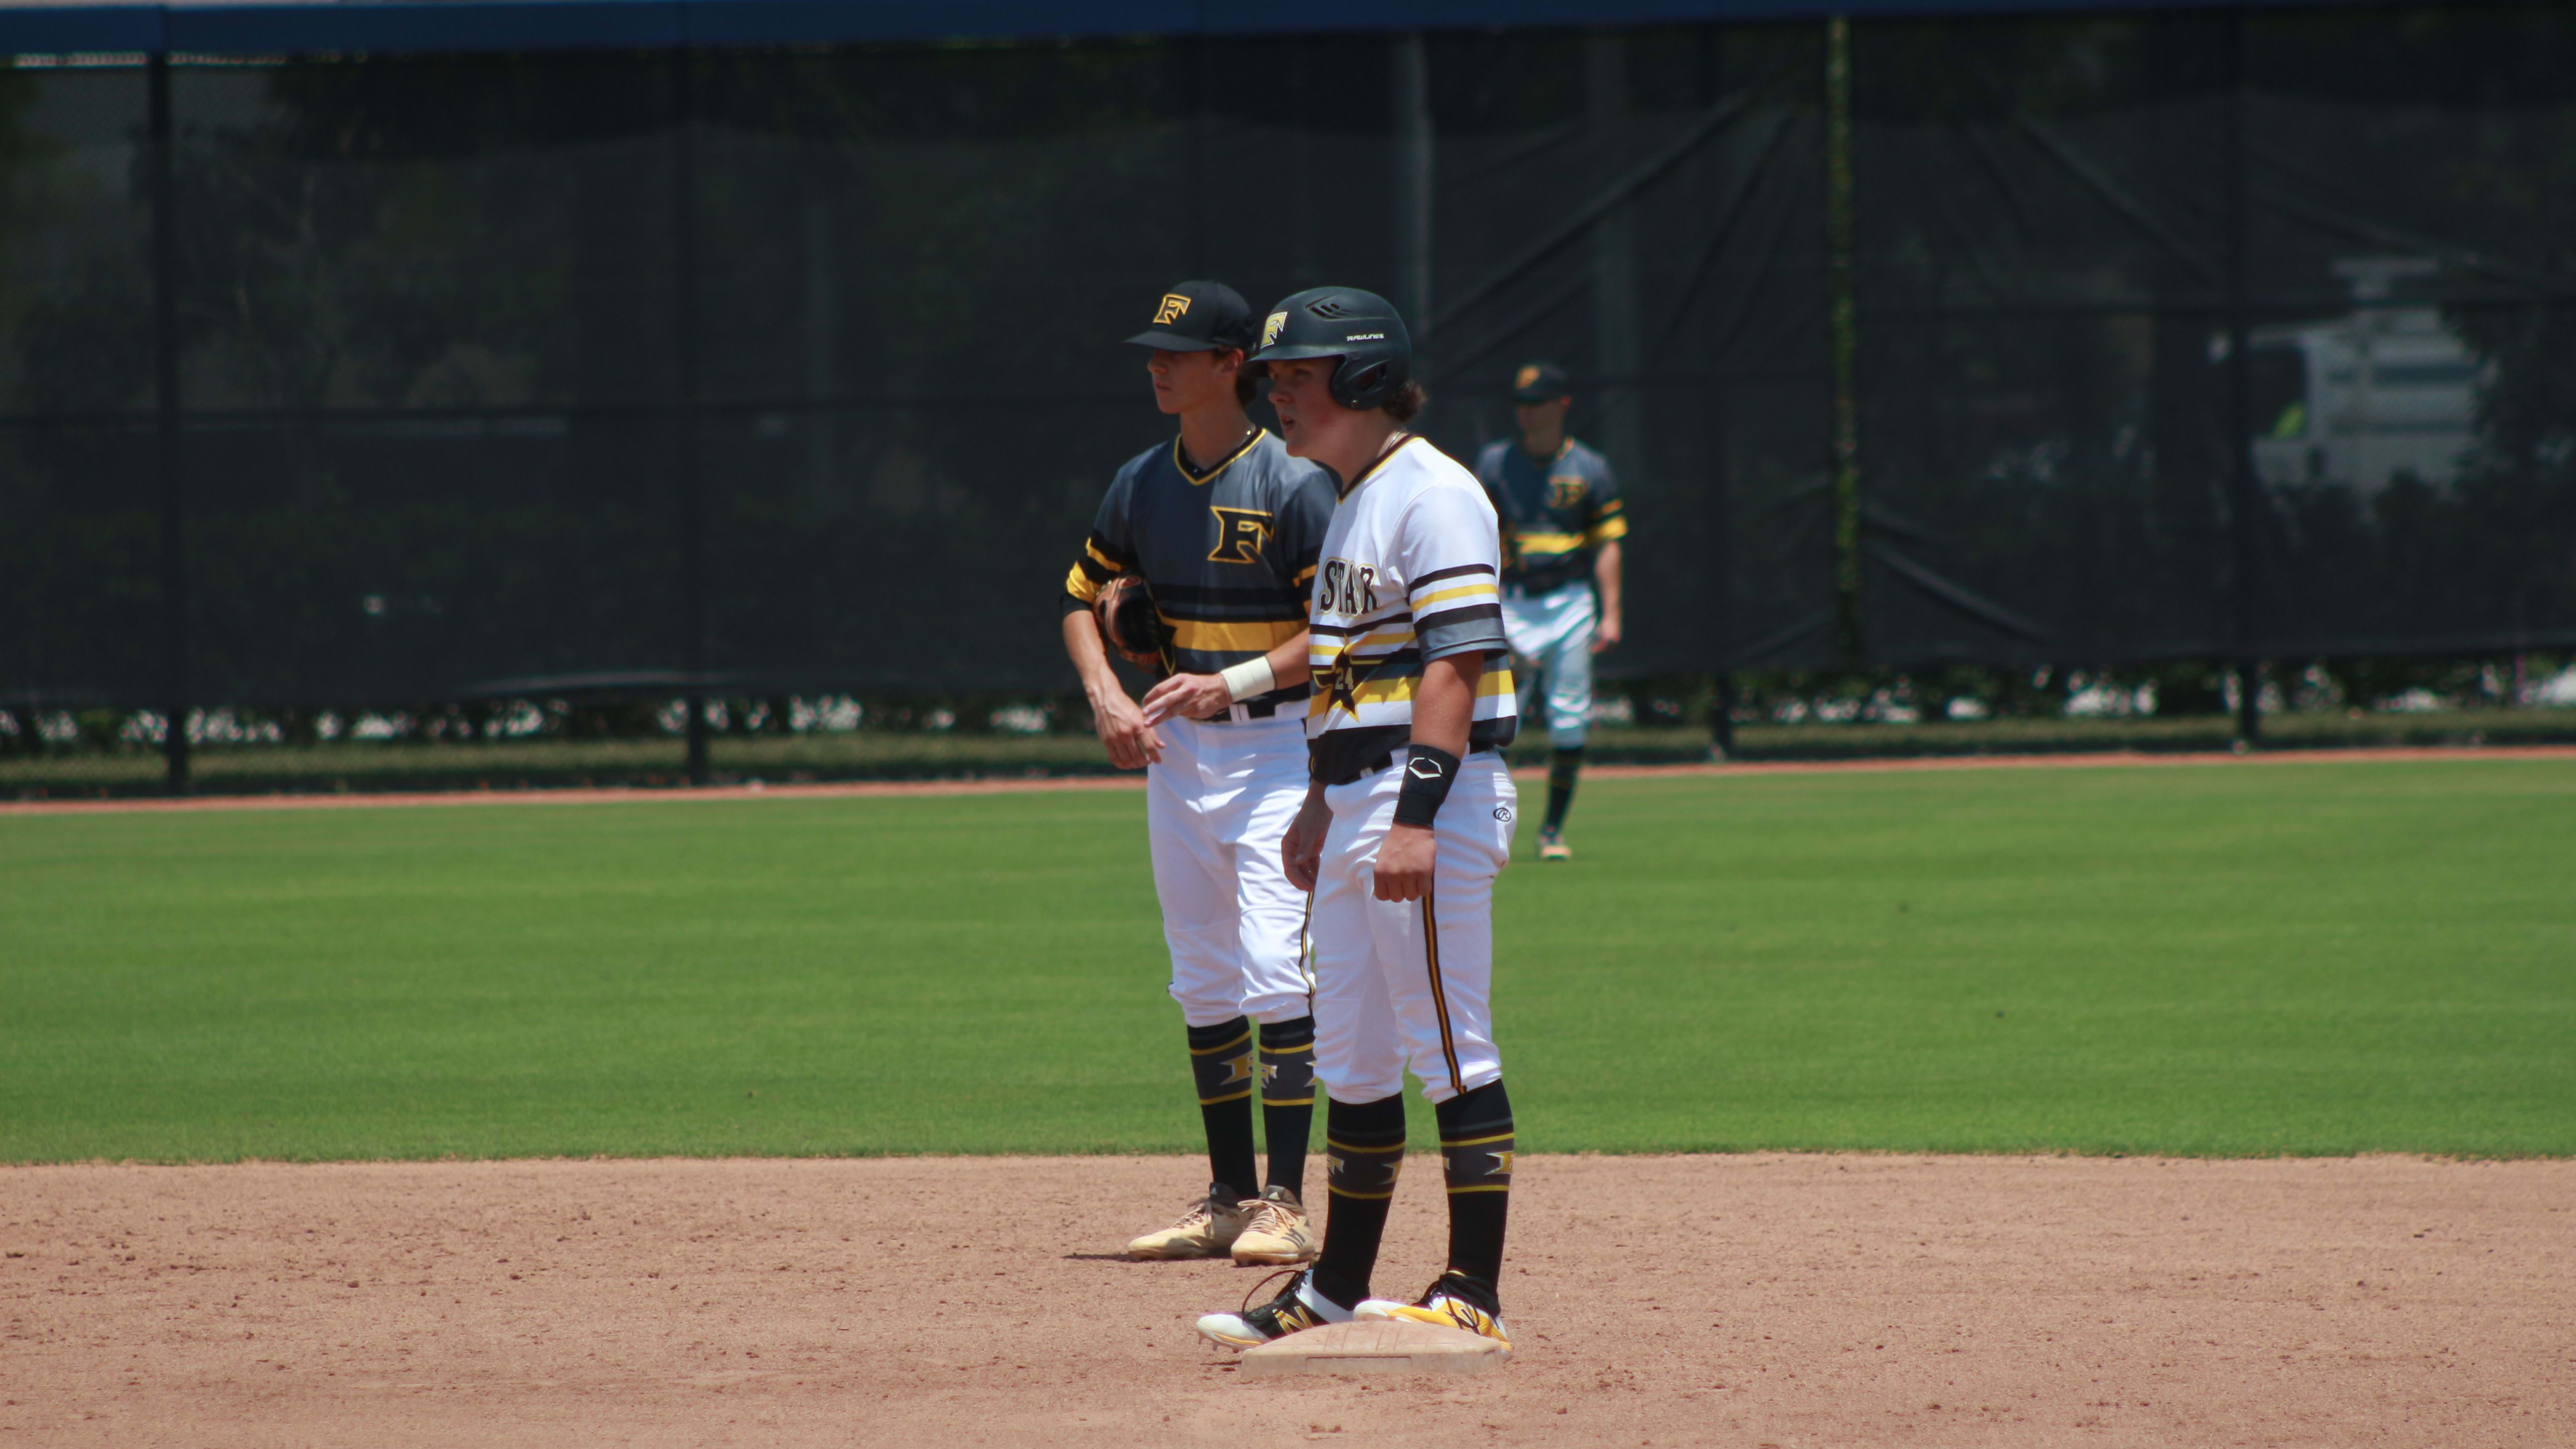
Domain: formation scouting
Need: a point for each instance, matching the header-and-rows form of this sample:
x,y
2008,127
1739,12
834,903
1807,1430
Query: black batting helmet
x,y
1360,328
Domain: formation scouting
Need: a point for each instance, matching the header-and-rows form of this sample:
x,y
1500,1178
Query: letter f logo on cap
x,y
1174,304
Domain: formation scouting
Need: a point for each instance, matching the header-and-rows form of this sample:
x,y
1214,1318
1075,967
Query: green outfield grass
x,y
2304,958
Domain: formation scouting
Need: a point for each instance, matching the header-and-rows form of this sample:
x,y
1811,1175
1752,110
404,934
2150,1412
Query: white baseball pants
x,y
1409,983
1551,634
1216,808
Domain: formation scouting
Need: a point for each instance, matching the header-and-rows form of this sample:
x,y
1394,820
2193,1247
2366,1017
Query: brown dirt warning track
x,y
1777,1300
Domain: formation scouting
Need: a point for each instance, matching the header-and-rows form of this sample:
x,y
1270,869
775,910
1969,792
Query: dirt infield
x,y
1756,1300
879,788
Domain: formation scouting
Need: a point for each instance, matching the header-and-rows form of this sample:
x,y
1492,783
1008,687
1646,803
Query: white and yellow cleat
x,y
1455,1301
1277,1232
1299,1307
1207,1230
1552,846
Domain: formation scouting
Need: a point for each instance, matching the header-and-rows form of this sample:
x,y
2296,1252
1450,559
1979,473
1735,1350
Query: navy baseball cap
x,y
1199,317
1538,382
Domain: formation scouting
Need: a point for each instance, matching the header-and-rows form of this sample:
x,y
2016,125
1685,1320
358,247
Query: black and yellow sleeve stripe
x,y
1101,561
1609,521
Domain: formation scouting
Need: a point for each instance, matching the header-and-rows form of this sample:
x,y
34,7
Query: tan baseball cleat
x,y
1277,1232
1454,1302
1207,1230
1551,846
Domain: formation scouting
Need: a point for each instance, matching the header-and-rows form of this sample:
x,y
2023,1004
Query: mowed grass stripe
x,y
2321,959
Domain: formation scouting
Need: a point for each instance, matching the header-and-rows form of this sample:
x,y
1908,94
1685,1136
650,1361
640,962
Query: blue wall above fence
x,y
320,26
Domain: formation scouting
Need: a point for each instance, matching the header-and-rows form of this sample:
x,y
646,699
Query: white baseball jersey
x,y
1410,572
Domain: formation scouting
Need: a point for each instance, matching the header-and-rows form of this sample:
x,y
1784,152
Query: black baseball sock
x,y
1364,1150
1221,1059
1476,1157
1560,784
1288,1098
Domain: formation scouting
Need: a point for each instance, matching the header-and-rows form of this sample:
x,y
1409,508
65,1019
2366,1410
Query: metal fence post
x,y
2244,491
693,509
165,387
1414,158
1842,312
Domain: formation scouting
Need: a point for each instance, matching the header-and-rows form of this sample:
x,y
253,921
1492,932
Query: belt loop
x,y
1238,713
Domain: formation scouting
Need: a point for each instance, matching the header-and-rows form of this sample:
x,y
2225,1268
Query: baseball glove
x,y
1128,621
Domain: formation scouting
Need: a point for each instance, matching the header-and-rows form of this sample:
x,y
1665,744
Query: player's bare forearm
x,y
1197,696
1444,706
1444,702
1289,663
1301,850
1607,572
1131,742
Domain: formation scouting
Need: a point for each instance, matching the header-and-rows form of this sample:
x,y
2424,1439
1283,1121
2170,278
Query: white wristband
x,y
1249,678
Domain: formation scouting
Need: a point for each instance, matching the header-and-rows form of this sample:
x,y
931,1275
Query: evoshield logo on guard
x,y
1174,304
1271,327
1421,768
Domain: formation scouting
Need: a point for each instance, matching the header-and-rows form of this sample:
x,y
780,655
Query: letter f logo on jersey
x,y
1241,535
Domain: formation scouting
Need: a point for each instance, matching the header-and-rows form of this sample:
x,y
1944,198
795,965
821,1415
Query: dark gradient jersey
x,y
1555,512
1229,555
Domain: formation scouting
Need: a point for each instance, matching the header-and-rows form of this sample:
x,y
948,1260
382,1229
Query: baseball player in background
x,y
1406,823
1221,526
1561,573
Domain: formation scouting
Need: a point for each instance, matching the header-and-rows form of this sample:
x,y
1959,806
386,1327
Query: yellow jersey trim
x,y
1467,591
1210,476
1261,634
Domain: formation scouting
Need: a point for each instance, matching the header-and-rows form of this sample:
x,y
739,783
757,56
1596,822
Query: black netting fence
x,y
772,375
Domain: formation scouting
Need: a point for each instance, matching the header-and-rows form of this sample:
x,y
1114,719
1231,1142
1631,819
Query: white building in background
x,y
2355,401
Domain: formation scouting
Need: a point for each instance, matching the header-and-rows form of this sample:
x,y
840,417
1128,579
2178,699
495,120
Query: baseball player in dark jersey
x,y
1223,526
1561,571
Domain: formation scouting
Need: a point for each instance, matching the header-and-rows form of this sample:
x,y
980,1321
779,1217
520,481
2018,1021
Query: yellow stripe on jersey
x,y
1463,591
1102,559
1400,691
1079,584
1613,527
1262,635
1534,542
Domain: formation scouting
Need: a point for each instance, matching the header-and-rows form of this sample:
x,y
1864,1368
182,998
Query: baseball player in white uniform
x,y
1407,820
1222,527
